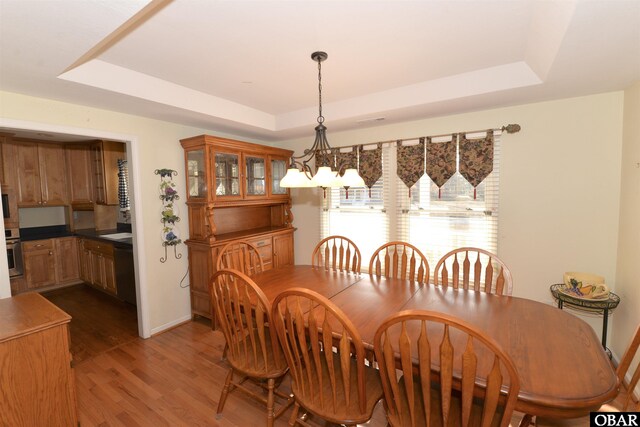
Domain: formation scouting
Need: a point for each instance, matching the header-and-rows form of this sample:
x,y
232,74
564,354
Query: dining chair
x,y
337,253
326,358
242,256
494,278
438,370
252,348
400,260
625,404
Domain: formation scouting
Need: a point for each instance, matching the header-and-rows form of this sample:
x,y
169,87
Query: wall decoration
x,y
170,234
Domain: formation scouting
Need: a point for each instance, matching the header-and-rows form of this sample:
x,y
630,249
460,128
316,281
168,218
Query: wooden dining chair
x,y
438,370
337,253
326,358
242,256
252,350
625,404
400,260
494,277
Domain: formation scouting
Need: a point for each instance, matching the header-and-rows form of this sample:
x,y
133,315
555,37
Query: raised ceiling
x,y
244,66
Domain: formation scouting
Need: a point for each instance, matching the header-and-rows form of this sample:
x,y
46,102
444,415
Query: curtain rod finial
x,y
511,128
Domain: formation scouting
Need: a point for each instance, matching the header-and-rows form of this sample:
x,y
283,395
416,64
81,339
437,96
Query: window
x,y
434,224
362,216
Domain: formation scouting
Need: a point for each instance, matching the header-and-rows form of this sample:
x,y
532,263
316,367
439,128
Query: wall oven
x,y
14,251
9,207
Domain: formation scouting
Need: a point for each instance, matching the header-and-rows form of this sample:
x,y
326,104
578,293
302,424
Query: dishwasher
x,y
125,274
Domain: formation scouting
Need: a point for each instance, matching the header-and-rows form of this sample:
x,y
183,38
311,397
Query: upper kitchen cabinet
x,y
80,175
104,156
40,169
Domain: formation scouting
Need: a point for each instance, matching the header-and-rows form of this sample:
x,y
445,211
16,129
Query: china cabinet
x,y
234,193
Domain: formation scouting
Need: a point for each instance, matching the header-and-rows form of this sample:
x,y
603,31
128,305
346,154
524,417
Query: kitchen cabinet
x,y
39,263
104,158
67,260
80,175
50,262
41,172
233,194
37,379
98,265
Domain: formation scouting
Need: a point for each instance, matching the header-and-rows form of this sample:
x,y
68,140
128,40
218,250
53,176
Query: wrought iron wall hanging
x,y
169,213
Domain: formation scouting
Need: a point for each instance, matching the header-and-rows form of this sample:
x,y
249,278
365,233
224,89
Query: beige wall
x,y
559,201
559,186
627,316
158,146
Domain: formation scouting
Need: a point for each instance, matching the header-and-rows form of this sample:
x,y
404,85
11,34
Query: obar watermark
x,y
618,419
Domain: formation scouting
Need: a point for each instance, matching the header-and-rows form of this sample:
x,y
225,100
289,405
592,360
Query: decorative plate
x,y
171,235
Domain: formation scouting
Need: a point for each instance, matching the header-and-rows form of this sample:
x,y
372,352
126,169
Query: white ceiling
x,y
244,66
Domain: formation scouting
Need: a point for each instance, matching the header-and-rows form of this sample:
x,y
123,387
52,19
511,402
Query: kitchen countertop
x,y
52,232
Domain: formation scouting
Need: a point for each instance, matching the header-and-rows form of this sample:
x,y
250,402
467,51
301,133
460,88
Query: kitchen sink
x,y
117,236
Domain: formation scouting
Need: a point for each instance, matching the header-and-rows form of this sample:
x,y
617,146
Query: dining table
x,y
564,371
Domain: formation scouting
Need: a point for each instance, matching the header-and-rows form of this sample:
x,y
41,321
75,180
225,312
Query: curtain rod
x,y
510,128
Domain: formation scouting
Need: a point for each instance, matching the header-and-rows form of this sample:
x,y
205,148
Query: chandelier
x,y
300,175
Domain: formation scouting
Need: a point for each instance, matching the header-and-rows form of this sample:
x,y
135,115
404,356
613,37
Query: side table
x,y
599,306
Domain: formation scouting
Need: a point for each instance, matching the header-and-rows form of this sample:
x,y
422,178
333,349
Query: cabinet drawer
x,y
265,249
37,245
100,247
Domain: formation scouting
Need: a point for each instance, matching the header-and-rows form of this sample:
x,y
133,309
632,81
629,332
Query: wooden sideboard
x,y
234,193
37,384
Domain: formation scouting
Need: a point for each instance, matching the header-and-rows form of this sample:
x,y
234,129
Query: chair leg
x,y
225,391
270,398
294,415
526,421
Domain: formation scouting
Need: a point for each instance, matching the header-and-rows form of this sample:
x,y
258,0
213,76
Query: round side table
x,y
598,306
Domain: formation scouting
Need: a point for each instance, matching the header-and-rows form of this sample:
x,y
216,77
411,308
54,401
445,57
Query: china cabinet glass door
x,y
256,176
227,167
278,170
196,177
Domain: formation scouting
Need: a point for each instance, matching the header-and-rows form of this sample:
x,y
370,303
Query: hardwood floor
x,y
171,379
99,322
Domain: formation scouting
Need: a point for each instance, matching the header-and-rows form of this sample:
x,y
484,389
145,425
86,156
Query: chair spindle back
x,y
337,253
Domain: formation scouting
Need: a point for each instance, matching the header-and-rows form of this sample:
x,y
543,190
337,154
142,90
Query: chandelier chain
x,y
320,116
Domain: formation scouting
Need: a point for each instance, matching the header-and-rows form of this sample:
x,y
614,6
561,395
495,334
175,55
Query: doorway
x,y
65,133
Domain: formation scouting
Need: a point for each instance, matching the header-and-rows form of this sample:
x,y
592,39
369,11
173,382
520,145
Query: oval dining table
x,y
564,371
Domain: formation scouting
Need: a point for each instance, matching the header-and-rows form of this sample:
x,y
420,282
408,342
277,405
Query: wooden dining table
x,y
564,371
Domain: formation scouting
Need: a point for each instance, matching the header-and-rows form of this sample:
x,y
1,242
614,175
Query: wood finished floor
x,y
99,322
171,379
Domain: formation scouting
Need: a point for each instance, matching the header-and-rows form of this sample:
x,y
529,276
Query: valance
x,y
370,165
410,162
347,160
476,158
441,161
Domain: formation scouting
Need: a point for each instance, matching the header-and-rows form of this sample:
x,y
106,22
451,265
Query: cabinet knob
x,y
50,253
45,202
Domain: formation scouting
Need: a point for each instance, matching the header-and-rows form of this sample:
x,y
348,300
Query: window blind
x,y
359,216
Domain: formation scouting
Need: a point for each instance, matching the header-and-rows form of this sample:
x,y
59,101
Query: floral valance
x,y
441,161
410,162
476,158
347,160
370,166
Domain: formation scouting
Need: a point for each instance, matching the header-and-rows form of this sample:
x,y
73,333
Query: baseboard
x,y
170,325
